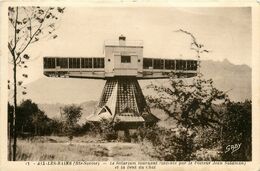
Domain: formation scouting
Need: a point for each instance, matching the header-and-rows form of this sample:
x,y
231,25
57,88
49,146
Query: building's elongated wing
x,y
95,68
87,67
154,68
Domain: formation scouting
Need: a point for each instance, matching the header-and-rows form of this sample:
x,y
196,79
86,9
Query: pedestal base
x,y
123,102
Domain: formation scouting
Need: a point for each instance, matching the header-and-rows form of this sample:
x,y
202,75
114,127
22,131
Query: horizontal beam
x,y
101,74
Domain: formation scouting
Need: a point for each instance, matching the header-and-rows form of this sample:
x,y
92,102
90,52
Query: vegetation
x,y
38,132
72,114
27,25
237,128
206,120
84,148
30,119
191,105
107,130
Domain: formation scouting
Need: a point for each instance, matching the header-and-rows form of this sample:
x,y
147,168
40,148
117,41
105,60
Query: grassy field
x,y
80,148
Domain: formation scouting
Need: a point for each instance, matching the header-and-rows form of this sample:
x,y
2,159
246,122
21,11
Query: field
x,y
80,148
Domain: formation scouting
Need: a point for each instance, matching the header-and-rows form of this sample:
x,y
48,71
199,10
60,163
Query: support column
x,y
123,101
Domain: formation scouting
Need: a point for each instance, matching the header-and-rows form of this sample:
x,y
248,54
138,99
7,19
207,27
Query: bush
x,y
108,131
170,145
208,138
237,128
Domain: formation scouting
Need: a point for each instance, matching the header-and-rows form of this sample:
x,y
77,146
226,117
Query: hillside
x,y
236,79
54,110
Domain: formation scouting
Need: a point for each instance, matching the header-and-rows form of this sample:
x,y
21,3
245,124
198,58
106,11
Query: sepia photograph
x,y
107,83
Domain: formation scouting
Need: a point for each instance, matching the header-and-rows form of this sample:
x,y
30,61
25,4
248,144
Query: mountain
x,y
55,110
235,79
64,90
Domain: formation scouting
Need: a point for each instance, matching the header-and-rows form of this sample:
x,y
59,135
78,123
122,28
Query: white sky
x,y
82,31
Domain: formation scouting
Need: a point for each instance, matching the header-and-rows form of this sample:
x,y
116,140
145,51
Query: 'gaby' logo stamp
x,y
233,148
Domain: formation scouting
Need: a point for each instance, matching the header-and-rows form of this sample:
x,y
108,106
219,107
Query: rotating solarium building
x,y
122,100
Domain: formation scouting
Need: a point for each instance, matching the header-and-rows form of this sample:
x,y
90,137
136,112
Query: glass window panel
x,y
158,64
169,64
98,62
49,63
125,59
147,63
62,62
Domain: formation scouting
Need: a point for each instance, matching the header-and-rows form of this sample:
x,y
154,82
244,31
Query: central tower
x,y
122,99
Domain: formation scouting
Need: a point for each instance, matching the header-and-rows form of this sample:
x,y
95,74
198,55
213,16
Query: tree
x,y
25,112
195,46
27,25
72,114
191,104
237,128
31,120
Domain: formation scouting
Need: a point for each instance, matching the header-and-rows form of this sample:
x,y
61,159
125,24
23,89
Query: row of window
x,y
99,63
169,64
74,62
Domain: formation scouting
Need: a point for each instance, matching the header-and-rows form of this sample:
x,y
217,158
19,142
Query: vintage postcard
x,y
129,85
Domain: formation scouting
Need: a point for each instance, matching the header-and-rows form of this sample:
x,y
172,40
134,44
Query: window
x,y
102,111
99,62
195,65
189,63
184,65
86,62
147,63
192,65
125,59
158,64
178,65
74,62
170,64
62,62
181,64
49,62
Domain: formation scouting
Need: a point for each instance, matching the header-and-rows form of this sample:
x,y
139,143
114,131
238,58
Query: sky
x,y
226,32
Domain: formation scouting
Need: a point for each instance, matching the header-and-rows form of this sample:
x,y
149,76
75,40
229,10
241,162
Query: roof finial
x,y
122,40
122,37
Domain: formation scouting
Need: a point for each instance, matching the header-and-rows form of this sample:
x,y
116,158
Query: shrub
x,y
237,128
208,138
108,131
170,144
195,106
